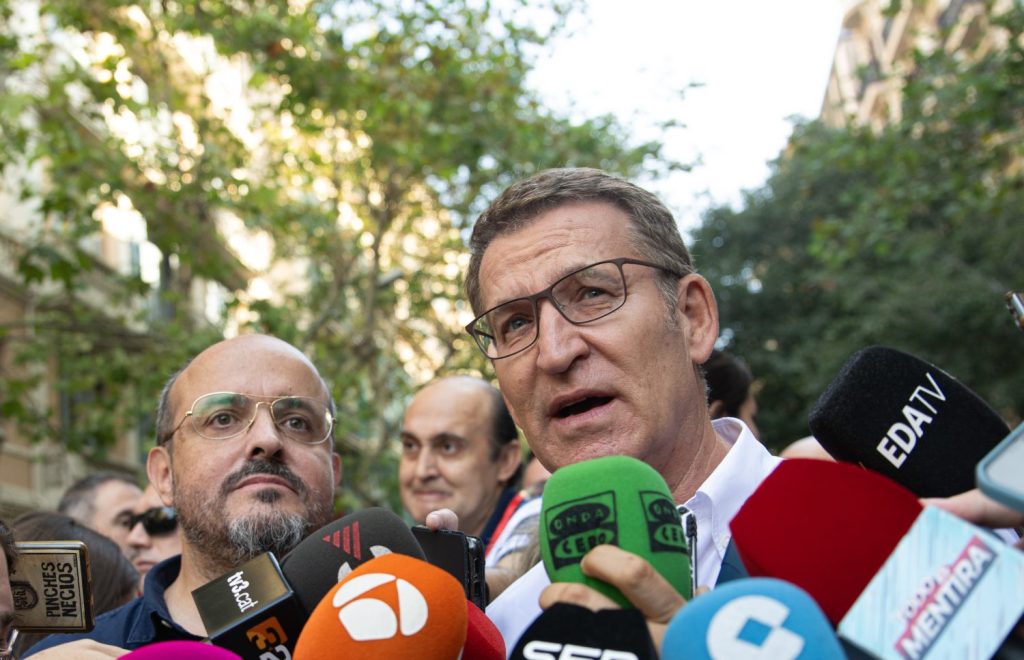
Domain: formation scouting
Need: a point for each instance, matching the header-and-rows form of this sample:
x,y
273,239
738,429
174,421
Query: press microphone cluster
x,y
613,500
898,580
908,420
264,609
259,609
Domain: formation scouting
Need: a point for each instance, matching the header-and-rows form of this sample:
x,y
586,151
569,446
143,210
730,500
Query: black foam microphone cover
x,y
564,630
906,419
327,555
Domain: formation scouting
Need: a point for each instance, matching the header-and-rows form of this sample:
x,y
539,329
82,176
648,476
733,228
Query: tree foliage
x,y
370,135
908,236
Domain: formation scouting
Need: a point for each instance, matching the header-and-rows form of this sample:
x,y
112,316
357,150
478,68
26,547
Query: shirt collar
x,y
154,614
726,489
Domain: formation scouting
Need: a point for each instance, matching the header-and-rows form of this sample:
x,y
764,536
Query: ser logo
x,y
396,607
539,650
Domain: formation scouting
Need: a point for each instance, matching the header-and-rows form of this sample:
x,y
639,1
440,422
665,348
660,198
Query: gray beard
x,y
223,545
251,536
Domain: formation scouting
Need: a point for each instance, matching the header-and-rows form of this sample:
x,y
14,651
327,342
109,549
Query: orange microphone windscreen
x,y
391,607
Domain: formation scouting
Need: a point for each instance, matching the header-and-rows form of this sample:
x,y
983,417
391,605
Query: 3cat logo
x,y
664,526
577,526
376,606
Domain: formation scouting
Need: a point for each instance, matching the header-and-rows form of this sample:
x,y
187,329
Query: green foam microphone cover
x,y
615,500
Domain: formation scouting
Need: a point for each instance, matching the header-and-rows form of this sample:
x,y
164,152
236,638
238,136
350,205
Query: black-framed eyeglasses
x,y
156,521
224,415
582,296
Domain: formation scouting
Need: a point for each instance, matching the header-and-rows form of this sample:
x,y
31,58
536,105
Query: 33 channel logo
x,y
269,638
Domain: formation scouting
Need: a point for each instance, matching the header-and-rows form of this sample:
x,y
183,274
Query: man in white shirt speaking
x,y
596,323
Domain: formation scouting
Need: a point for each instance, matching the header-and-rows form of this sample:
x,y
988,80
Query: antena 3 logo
x,y
577,526
664,525
395,607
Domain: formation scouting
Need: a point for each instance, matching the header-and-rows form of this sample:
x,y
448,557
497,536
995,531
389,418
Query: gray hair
x,y
652,229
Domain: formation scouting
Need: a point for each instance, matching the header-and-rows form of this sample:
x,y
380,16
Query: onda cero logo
x,y
376,606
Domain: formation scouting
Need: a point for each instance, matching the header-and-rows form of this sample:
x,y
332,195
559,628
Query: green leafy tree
x,y
908,237
371,136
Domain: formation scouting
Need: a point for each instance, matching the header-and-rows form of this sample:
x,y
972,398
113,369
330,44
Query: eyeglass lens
x,y
224,415
585,295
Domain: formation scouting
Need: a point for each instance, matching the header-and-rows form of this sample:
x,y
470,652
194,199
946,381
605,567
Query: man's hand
x,y
80,649
976,507
442,519
633,576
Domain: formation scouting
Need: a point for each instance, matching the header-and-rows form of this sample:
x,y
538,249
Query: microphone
x,y
825,527
751,618
325,557
949,590
391,607
181,649
261,607
483,639
252,610
616,500
51,588
906,419
571,631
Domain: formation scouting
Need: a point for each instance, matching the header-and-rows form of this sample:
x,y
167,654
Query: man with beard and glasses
x,y
245,456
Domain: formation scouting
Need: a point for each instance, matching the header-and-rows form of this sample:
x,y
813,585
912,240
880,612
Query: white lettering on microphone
x,y
902,437
238,589
940,597
540,650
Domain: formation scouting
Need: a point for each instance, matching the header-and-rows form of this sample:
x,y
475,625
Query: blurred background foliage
x,y
357,141
907,236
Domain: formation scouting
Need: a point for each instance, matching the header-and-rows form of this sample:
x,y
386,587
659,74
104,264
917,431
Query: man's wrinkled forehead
x,y
566,232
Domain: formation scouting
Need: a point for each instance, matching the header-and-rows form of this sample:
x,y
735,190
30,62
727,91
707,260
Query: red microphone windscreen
x,y
826,527
483,639
182,649
391,607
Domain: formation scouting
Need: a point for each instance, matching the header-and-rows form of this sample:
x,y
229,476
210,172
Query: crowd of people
x,y
623,363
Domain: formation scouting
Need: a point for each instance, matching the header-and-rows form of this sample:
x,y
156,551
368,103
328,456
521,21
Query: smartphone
x,y
460,555
51,587
1001,473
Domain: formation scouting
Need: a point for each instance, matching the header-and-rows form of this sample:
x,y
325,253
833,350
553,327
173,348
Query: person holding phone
x,y
460,451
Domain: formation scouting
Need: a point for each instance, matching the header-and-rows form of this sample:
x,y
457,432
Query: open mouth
x,y
582,406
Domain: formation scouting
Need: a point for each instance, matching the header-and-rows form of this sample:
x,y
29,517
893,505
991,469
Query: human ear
x,y
509,459
158,469
699,311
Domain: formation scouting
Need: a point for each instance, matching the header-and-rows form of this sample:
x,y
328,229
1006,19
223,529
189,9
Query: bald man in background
x,y
460,451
